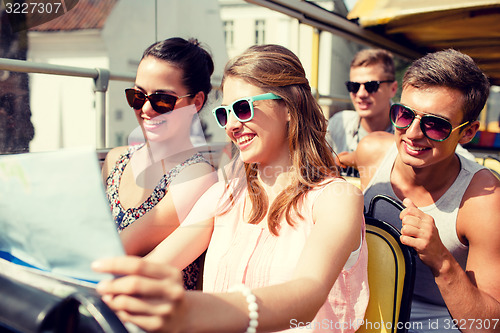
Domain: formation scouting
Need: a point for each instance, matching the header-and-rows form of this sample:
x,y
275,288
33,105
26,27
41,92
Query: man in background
x,y
371,87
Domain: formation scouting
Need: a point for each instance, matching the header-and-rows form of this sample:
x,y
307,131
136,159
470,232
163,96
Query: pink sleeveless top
x,y
242,253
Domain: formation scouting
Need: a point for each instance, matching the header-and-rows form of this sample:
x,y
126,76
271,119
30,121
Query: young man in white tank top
x,y
452,204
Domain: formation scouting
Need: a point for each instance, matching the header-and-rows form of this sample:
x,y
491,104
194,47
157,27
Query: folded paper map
x,y
53,213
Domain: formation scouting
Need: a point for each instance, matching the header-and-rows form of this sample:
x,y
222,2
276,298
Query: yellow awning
x,y
471,26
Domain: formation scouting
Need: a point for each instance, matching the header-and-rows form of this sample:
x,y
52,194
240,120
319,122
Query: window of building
x,y
260,32
229,33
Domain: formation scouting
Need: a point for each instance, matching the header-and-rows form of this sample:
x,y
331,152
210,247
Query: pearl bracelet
x,y
253,308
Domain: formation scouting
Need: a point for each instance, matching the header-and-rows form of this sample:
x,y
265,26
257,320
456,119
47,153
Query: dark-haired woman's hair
x,y
188,55
276,69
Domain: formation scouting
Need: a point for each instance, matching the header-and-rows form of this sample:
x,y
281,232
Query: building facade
x,y
112,35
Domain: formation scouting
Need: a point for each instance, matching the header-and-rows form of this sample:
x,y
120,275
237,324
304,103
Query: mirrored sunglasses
x,y
160,102
433,127
370,86
242,109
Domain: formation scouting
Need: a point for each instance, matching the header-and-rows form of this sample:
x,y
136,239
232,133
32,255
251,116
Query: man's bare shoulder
x,y
478,225
373,147
370,153
381,136
484,189
480,203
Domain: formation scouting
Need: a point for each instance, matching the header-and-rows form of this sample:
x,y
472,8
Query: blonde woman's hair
x,y
276,69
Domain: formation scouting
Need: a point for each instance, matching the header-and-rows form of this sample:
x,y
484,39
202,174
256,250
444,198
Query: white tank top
x,y
444,211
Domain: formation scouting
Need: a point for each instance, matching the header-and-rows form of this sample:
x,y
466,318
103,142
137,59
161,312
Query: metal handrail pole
x,y
101,78
101,137
24,66
15,65
100,88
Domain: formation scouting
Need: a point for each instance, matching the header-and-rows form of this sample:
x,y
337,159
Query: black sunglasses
x,y
160,102
433,127
370,86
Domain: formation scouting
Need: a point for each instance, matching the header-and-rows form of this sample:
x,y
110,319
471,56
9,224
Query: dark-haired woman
x,y
151,187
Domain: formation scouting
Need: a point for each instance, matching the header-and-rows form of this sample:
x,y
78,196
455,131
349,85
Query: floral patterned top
x,y
125,217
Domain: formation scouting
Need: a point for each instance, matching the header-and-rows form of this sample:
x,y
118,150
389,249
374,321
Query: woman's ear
x,y
469,133
198,100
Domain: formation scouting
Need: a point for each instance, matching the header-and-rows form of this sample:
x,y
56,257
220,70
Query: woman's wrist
x,y
253,308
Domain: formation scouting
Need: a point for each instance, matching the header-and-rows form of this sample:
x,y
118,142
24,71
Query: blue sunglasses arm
x,y
265,96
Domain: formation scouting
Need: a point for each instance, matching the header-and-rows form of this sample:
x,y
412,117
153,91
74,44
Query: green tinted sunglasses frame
x,y
242,109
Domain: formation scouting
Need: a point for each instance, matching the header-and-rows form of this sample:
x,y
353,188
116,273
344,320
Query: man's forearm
x,y
472,310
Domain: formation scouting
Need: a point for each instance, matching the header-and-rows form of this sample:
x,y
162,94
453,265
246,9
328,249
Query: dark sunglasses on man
x,y
160,102
370,86
433,127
